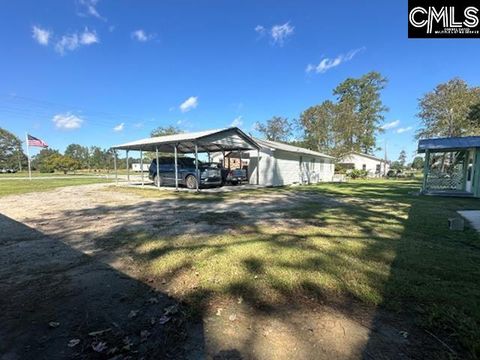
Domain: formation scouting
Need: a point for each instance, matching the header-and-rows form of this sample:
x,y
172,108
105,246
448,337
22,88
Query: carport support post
x,y
240,158
258,166
196,165
141,166
176,166
115,166
158,168
128,171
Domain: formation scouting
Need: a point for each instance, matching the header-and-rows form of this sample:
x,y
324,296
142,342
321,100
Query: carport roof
x,y
228,139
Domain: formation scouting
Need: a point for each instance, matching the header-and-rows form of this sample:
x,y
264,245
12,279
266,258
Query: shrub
x,y
358,174
342,168
46,168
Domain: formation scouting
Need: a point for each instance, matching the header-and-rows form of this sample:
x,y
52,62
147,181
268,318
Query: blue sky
x,y
102,72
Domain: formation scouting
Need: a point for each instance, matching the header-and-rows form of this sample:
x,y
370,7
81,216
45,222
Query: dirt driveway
x,y
64,294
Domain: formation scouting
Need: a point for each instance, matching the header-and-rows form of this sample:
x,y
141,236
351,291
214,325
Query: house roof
x,y
207,141
448,144
368,156
290,148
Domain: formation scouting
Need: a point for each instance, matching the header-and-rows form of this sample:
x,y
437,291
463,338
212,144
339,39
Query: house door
x,y
468,184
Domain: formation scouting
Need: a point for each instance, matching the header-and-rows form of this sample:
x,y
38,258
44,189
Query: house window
x,y
364,167
378,169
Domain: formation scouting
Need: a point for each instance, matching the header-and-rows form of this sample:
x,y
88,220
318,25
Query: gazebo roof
x,y
448,144
228,139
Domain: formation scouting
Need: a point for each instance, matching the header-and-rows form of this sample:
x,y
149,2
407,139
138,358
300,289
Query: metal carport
x,y
220,140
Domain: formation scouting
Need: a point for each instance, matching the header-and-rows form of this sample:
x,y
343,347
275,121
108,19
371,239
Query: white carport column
x,y
158,168
141,166
240,158
258,166
196,166
115,166
128,171
175,150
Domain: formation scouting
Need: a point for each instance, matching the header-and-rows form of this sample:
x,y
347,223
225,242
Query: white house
x,y
137,167
282,164
375,167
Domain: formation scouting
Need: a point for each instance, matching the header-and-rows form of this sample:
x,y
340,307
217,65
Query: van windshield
x,y
187,162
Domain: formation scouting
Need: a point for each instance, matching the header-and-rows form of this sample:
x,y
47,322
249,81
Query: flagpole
x,y
28,157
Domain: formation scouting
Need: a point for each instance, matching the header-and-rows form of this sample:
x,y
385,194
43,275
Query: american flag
x,y
33,141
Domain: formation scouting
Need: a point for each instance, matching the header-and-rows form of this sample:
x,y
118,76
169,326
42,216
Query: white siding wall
x,y
284,168
267,168
371,164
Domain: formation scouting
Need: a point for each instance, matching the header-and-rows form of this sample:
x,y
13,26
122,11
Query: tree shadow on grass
x,y
434,281
59,303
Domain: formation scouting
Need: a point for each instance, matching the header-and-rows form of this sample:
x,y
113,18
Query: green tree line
x,y
354,119
75,157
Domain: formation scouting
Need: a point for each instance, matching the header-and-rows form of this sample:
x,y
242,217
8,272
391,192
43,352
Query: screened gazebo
x,y
452,166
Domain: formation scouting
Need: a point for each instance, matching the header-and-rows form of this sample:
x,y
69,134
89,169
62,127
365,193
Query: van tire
x,y
191,182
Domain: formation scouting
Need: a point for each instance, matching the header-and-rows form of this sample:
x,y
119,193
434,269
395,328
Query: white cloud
x,y
280,32
141,35
260,29
237,122
67,42
390,125
90,6
328,63
89,37
67,121
71,42
119,127
183,123
239,106
42,36
405,129
189,104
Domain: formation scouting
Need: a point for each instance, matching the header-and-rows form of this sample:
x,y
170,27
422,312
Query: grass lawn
x,y
20,186
375,242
